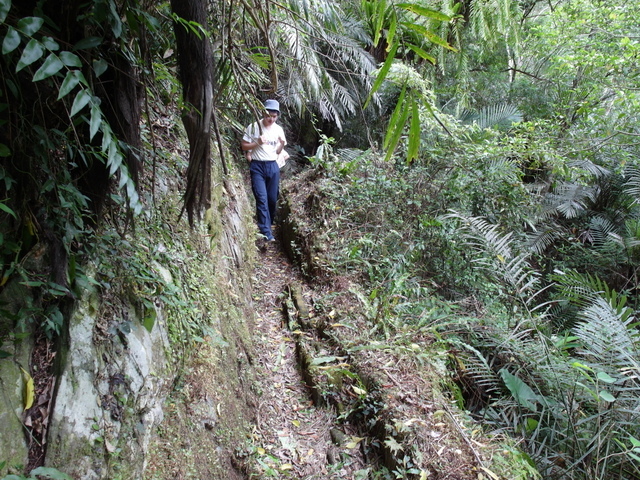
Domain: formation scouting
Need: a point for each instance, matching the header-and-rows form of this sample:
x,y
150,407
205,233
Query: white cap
x,y
272,105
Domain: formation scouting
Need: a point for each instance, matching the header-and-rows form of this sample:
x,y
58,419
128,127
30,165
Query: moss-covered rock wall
x,y
158,342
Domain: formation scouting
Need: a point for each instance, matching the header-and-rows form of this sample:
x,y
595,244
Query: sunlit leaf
x,y
395,116
522,393
358,390
382,74
425,12
48,472
606,396
393,25
354,442
393,445
421,53
429,35
490,473
605,377
396,127
149,319
414,133
321,360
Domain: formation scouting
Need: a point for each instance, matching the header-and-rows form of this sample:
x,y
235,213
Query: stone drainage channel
x,y
335,383
317,417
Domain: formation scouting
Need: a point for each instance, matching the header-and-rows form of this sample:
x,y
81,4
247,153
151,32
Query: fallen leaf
x,y
394,446
29,389
321,360
354,442
358,390
110,448
490,473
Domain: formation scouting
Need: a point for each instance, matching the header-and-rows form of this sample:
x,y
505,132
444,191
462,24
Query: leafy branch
x,y
62,62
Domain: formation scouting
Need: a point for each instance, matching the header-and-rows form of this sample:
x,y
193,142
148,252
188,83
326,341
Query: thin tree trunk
x,y
195,72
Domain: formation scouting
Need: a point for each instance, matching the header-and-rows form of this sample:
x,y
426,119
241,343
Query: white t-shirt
x,y
268,150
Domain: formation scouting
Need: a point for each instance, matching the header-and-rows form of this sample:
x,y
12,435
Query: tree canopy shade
x,y
522,117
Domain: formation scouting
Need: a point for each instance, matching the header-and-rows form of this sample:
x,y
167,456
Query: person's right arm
x,y
251,145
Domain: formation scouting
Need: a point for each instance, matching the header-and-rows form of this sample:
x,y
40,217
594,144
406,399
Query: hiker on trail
x,y
263,141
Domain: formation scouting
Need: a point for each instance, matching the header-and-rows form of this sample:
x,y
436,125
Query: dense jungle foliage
x,y
480,160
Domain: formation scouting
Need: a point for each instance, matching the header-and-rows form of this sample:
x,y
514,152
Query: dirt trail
x,y
292,436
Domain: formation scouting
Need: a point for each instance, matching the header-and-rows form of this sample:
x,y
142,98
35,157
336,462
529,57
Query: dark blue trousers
x,y
265,182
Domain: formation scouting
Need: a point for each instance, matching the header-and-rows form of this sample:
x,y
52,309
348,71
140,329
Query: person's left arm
x,y
282,141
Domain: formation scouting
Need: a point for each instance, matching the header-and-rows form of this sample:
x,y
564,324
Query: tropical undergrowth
x,y
530,284
71,166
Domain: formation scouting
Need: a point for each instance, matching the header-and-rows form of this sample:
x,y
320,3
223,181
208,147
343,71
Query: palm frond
x,y
585,289
589,167
600,230
569,199
608,336
475,375
495,254
497,115
543,237
632,184
630,237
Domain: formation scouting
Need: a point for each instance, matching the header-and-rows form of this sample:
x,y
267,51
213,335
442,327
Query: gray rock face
x,y
109,396
116,370
13,442
13,446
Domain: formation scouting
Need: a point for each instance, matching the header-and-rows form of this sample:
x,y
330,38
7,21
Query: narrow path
x,y
293,437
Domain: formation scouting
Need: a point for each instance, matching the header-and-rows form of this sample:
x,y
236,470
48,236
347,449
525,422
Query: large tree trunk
x,y
195,72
